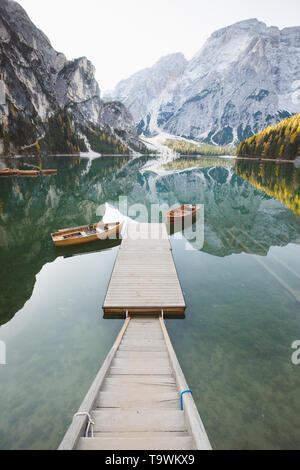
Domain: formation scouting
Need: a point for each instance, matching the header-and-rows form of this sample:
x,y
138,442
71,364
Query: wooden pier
x,y
135,401
140,399
144,279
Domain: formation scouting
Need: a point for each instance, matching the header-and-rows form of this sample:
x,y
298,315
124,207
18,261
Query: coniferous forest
x,y
184,147
281,141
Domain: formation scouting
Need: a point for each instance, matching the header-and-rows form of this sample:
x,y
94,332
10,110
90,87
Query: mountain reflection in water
x,y
241,286
242,200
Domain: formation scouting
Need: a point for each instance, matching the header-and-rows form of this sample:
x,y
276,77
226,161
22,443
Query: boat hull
x,y
75,239
7,172
27,173
81,241
179,218
49,172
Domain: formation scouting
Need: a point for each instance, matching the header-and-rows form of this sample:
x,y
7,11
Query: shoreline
x,y
81,155
225,157
273,160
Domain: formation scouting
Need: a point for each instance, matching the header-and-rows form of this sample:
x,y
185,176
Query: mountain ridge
x,y
49,99
244,78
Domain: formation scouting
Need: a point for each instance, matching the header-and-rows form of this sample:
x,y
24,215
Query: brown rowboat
x,y
181,213
49,172
12,172
27,173
86,234
9,172
6,172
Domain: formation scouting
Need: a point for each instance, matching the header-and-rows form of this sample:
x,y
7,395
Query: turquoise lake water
x,y
242,289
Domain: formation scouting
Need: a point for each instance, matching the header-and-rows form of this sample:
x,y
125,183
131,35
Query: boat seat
x,y
73,235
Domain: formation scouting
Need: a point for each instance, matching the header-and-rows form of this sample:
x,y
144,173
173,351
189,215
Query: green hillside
x,y
280,141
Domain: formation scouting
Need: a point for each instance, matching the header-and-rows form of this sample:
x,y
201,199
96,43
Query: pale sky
x,y
122,37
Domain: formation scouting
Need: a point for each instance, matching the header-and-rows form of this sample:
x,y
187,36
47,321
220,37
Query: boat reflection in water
x,y
230,295
80,250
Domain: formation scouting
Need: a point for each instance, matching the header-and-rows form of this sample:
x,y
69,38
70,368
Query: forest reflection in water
x,y
234,345
32,208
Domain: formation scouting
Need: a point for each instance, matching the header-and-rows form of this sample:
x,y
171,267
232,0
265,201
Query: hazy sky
x,y
121,37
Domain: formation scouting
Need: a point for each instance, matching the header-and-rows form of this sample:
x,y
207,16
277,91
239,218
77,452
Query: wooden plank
x,y
154,380
127,388
144,310
138,420
137,361
147,443
143,348
137,399
144,275
141,434
147,328
135,370
144,328
142,342
128,384
143,331
128,355
143,336
137,233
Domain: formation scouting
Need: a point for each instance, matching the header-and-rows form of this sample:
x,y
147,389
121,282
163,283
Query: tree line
x,y
184,147
275,142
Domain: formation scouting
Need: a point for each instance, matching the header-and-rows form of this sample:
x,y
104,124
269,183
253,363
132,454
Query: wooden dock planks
x,y
144,278
135,400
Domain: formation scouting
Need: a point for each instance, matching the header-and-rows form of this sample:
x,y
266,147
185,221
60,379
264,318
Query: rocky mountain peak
x,y
244,78
76,84
42,86
252,25
149,92
171,61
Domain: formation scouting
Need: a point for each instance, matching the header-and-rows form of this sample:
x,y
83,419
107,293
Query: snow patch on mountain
x,y
244,78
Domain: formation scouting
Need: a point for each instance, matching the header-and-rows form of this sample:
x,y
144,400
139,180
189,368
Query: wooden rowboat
x,y
6,172
86,234
181,213
49,172
15,172
9,172
27,173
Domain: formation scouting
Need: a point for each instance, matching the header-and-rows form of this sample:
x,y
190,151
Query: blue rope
x,y
181,397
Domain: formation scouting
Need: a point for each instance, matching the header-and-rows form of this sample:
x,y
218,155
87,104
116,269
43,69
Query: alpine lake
x,y
241,286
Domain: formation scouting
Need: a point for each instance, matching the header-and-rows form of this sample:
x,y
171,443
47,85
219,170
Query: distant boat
x,y
15,172
6,172
9,172
48,172
27,173
86,234
181,213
